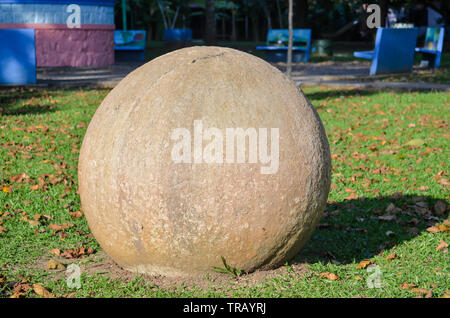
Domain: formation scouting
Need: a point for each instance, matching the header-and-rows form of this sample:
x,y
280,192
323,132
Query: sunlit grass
x,y
390,157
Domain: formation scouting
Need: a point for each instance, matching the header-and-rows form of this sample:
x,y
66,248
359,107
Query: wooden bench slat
x,y
368,55
419,49
281,48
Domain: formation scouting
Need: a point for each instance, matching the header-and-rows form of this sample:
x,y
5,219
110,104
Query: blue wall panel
x,y
87,2
17,56
54,13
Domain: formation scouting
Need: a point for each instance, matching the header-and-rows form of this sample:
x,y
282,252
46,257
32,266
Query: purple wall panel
x,y
58,45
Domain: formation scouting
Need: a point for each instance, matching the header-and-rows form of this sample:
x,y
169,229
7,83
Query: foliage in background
x,y
250,19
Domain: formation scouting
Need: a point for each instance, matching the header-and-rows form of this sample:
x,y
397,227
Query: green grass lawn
x,y
388,203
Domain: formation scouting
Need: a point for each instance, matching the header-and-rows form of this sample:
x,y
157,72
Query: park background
x,y
388,134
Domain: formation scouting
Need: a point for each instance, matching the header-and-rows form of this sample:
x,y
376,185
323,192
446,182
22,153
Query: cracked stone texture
x,y
155,216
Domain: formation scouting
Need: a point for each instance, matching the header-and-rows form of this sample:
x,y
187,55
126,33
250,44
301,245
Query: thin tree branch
x,y
175,18
289,53
163,15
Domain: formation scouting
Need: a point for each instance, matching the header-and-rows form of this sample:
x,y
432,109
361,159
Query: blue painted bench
x,y
394,51
177,35
129,45
277,45
432,50
17,56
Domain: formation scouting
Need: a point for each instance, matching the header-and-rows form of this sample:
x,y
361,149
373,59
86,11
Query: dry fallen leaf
x,y
18,295
407,286
76,214
438,228
7,189
422,291
78,252
329,276
57,227
363,264
352,196
55,251
20,289
444,182
20,178
446,294
41,291
433,229
34,223
391,256
387,217
442,247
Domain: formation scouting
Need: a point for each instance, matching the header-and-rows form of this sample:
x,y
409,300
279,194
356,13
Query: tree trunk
x,y
166,25
289,53
267,13
255,26
246,27
301,14
124,15
233,26
150,27
223,28
280,18
210,32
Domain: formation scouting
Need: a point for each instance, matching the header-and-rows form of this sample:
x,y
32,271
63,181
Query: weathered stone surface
x,y
153,215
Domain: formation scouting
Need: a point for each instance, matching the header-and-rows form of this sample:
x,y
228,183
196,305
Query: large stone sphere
x,y
200,154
